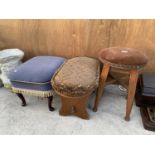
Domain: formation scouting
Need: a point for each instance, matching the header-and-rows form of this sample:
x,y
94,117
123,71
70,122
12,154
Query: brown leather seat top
x,y
123,56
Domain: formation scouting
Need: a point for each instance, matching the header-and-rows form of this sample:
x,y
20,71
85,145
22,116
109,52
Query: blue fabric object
x,y
148,84
36,73
32,86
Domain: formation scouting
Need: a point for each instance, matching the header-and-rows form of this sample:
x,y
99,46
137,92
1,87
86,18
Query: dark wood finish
x,y
102,83
50,99
147,123
22,99
74,106
131,92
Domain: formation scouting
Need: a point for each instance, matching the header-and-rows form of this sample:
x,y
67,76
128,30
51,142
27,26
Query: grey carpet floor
x,y
36,119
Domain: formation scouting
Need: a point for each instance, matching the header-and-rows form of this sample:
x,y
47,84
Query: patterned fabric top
x,y
77,76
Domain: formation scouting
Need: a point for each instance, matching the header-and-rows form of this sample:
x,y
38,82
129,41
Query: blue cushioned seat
x,y
36,73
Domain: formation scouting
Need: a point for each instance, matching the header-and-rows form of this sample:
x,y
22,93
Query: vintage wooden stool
x,y
122,61
74,82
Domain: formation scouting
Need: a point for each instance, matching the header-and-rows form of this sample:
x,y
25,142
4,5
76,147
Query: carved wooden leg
x,y
80,109
102,82
131,92
74,106
66,107
50,98
22,98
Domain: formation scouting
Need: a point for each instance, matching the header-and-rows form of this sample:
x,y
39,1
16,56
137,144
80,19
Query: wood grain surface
x,y
70,38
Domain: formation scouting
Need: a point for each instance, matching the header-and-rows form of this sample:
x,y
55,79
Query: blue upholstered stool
x,y
33,77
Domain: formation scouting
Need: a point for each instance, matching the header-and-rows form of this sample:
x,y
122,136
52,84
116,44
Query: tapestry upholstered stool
x,y
122,60
74,82
33,77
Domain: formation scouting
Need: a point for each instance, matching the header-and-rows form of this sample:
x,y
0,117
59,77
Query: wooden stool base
x,y
131,88
74,106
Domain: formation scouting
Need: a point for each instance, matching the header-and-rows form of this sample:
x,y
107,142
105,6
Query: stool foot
x,y
127,118
84,116
74,106
50,99
94,109
22,99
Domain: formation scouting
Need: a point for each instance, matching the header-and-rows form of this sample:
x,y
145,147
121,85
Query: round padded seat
x,y
125,61
124,58
77,77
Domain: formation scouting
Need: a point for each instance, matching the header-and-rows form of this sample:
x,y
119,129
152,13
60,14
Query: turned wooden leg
x,y
50,103
102,82
22,98
131,92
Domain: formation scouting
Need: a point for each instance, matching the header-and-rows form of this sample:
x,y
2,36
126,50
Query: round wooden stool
x,y
122,60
